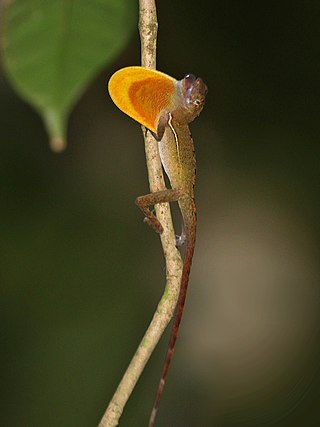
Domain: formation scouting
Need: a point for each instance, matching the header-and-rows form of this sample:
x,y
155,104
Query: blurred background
x,y
81,274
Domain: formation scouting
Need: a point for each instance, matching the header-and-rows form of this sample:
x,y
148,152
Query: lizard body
x,y
173,105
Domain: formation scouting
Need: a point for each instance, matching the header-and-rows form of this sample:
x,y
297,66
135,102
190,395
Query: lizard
x,y
166,106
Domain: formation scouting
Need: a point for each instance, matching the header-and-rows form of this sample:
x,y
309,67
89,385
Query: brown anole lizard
x,y
166,107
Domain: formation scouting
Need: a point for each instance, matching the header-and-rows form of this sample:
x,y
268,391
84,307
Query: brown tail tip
x,y
156,403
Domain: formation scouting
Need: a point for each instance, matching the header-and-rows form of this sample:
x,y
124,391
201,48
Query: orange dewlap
x,y
142,94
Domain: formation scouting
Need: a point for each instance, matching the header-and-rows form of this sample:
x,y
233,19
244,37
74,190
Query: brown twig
x,y
148,26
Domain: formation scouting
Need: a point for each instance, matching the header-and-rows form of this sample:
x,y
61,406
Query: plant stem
x,y
148,26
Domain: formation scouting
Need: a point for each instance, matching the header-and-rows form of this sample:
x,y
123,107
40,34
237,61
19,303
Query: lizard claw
x,y
180,240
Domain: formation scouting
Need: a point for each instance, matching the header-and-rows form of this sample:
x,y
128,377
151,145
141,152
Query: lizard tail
x,y
190,225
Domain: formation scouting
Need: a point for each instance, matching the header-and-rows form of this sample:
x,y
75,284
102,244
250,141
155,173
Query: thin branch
x,y
148,26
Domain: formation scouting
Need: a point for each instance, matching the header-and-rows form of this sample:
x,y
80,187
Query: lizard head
x,y
192,93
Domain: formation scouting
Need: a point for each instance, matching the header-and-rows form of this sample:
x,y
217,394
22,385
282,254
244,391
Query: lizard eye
x,y
190,78
197,102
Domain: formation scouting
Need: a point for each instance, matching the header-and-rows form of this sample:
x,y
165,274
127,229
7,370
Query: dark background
x,y
81,274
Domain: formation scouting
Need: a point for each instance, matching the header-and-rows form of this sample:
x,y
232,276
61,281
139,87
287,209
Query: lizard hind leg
x,y
144,203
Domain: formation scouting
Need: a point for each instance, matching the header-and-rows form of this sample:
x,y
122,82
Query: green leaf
x,y
53,48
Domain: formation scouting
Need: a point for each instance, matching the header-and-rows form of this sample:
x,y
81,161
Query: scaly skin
x,y
166,107
182,176
176,151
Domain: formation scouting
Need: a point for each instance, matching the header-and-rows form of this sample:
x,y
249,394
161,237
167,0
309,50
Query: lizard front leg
x,y
144,202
